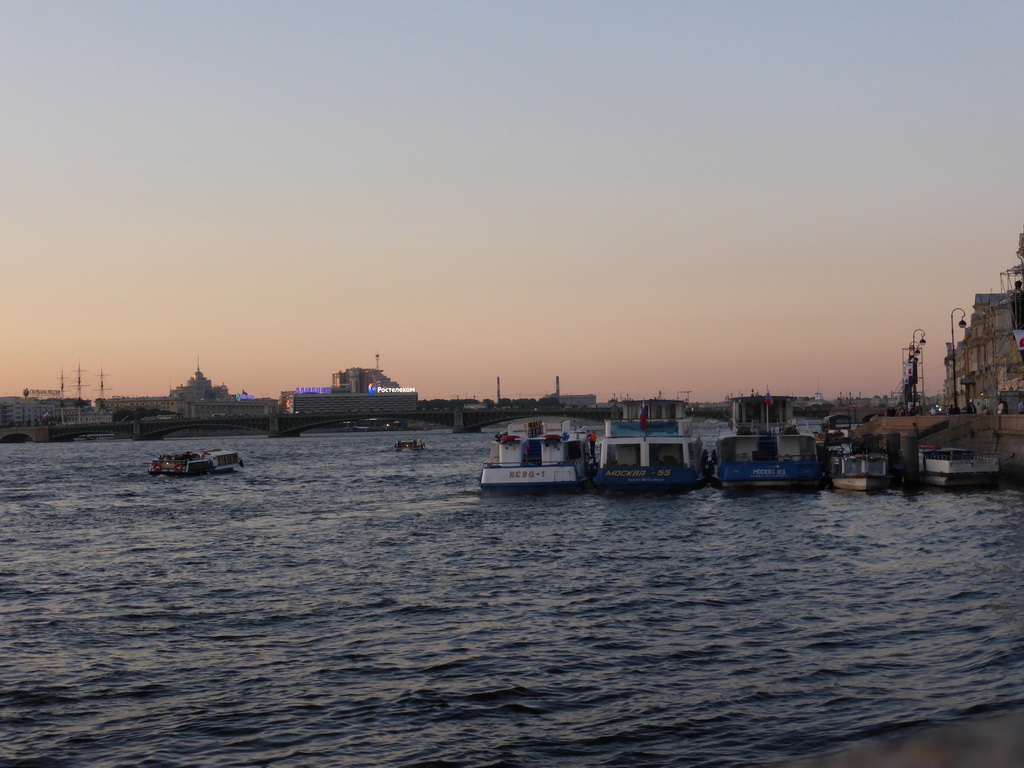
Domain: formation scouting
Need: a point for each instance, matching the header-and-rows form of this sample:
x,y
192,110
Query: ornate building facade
x,y
988,362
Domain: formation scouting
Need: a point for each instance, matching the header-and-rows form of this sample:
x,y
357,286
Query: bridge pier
x,y
25,435
459,423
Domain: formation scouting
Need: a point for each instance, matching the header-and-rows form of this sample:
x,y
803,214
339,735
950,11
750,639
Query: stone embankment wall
x,y
1001,435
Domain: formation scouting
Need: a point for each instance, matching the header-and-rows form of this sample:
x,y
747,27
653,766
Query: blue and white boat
x,y
650,449
537,456
765,449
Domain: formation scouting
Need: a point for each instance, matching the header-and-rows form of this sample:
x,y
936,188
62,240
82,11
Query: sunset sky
x,y
708,196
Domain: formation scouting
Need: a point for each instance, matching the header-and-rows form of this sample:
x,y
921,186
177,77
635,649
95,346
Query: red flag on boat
x,y
643,417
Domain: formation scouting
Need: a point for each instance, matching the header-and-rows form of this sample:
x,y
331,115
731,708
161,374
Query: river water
x,y
337,603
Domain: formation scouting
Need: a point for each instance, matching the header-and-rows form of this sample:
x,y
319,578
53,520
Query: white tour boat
x,y
860,472
191,463
539,455
956,466
650,449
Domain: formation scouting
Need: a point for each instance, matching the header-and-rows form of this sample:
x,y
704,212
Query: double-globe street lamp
x,y
952,352
915,358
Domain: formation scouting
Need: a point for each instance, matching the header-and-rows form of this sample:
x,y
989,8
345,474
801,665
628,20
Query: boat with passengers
x,y
410,445
651,448
193,463
765,449
538,455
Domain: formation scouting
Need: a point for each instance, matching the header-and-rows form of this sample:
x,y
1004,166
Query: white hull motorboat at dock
x,y
860,472
956,467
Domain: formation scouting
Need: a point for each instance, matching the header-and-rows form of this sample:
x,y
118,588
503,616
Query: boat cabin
x,y
762,413
535,443
764,447
662,438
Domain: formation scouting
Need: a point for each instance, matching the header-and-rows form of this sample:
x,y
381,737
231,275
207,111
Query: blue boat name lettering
x,y
774,472
526,473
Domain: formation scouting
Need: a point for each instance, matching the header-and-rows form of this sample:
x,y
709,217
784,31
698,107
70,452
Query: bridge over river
x,y
294,424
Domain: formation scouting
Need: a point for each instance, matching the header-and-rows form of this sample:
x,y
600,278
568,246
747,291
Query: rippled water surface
x,y
340,603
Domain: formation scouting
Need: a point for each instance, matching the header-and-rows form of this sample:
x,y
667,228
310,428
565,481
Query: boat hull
x,y
960,479
643,479
192,472
770,474
868,483
533,479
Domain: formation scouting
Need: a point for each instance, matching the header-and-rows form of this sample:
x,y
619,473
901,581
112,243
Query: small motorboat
x,y
409,445
191,463
860,472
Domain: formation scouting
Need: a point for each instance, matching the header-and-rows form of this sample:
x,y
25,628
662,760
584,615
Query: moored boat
x,y
836,429
191,463
956,467
765,448
410,445
538,455
650,449
860,472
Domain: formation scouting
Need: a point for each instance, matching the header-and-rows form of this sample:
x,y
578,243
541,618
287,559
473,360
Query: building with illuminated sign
x,y
355,390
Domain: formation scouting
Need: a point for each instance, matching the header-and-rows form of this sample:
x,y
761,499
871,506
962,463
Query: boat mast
x,y
62,394
78,383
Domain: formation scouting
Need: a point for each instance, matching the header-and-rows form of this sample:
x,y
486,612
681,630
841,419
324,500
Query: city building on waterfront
x,y
199,388
354,390
577,401
30,411
988,362
198,398
355,381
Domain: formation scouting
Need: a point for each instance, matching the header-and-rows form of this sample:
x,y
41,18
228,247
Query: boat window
x,y
671,455
573,450
624,453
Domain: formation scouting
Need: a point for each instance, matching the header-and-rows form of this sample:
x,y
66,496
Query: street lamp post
x,y
952,352
915,363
